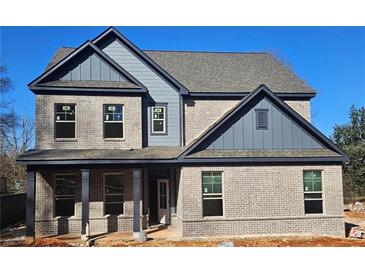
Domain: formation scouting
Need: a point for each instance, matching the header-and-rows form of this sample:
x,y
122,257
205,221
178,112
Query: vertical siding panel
x,y
282,132
85,70
247,130
296,136
95,65
104,71
237,135
228,139
277,129
268,134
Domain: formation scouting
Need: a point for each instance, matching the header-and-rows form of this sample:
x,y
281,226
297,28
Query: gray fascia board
x,y
228,160
144,58
339,159
262,88
73,90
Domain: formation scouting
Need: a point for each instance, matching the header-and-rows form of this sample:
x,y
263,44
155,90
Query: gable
x,y
236,133
282,132
89,67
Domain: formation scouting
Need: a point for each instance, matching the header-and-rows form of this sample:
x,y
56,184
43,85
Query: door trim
x,y
163,215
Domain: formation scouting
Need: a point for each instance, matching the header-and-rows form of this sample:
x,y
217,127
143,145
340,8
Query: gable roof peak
x,y
263,89
87,44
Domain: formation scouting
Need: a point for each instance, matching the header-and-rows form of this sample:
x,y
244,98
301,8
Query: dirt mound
x,y
49,243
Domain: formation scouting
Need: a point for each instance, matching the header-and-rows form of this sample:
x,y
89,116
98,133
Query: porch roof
x,y
147,153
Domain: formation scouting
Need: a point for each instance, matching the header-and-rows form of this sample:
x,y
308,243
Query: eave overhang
x,y
240,95
183,161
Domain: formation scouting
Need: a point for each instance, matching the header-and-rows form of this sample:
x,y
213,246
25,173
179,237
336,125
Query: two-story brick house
x,y
211,143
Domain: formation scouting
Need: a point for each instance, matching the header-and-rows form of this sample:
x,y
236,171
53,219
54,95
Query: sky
x,y
330,59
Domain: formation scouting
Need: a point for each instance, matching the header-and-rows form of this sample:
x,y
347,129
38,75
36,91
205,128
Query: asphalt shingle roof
x,y
228,72
264,153
148,153
221,71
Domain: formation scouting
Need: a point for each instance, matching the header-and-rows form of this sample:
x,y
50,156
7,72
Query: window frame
x,y
314,192
221,194
266,113
104,194
165,132
58,121
122,122
54,192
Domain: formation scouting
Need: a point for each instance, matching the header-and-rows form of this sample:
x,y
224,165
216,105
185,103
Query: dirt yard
x,y
16,238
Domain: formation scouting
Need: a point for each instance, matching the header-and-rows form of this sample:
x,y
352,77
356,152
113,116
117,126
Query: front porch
x,y
90,202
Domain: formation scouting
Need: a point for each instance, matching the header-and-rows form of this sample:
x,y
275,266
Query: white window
x,y
313,202
113,121
159,120
212,194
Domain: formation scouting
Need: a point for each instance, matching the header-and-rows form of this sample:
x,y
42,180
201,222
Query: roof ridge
x,y
202,51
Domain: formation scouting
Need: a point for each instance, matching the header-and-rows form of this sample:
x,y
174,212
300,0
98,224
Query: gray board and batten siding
x,y
159,91
282,132
90,68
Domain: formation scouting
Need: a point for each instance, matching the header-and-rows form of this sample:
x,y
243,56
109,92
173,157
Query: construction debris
x,y
357,207
356,232
226,244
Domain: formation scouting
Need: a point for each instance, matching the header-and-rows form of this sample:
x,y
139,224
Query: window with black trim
x,y
65,121
113,121
262,119
65,186
313,202
113,194
159,119
212,193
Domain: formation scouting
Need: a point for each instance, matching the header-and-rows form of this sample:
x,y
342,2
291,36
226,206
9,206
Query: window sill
x,y
114,139
65,140
313,214
213,217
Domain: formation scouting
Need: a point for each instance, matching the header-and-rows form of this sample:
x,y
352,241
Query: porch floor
x,y
157,232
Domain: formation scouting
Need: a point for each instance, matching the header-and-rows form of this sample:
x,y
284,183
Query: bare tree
x,y
16,135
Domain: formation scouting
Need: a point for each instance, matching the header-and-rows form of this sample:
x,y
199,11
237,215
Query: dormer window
x,y
65,121
158,119
262,119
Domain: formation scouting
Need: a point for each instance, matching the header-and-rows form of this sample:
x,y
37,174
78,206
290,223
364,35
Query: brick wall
x,y
261,200
47,224
89,122
200,114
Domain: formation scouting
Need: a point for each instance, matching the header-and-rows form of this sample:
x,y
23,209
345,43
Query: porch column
x,y
146,202
85,177
30,210
136,202
173,191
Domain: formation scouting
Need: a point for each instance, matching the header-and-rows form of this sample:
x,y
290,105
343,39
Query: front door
x,y
163,201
